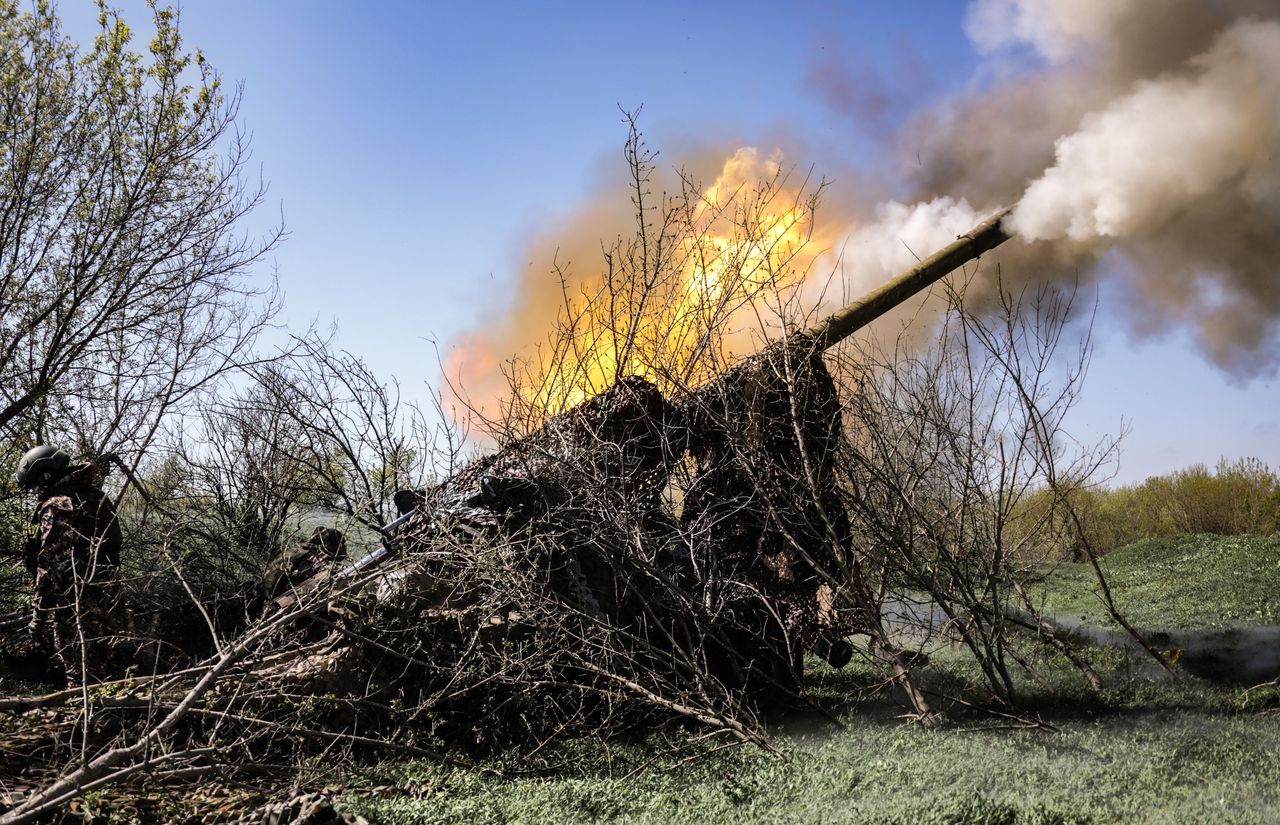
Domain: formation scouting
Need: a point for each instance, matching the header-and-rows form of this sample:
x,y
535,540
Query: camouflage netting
x,y
764,509
555,588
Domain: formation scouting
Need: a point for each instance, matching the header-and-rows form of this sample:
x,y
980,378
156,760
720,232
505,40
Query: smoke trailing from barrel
x,y
1151,132
1145,132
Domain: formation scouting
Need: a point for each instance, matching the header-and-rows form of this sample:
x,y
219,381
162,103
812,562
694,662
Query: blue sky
x,y
413,148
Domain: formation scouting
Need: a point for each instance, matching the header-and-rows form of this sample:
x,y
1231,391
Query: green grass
x,y
1155,752
1177,582
1143,750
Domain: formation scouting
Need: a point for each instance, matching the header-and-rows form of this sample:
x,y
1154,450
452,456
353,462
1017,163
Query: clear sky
x,y
413,147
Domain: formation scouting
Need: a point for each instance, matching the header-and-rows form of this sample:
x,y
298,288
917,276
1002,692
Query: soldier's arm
x,y
57,534
31,548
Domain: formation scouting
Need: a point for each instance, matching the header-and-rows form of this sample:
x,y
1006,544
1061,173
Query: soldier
x,y
73,552
298,563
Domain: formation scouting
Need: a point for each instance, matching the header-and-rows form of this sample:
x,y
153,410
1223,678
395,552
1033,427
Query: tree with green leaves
x,y
125,270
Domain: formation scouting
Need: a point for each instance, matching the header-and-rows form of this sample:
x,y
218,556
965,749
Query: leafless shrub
x,y
311,439
947,447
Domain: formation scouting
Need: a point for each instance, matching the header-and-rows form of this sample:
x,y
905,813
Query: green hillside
x,y
1175,582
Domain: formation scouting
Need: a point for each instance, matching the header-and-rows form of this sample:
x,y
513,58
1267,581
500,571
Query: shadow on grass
x,y
1134,687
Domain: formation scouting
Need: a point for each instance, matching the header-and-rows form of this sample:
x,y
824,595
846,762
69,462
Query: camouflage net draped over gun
x,y
763,509
573,598
548,590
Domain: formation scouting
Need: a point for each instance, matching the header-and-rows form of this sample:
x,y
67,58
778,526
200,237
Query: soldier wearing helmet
x,y
73,555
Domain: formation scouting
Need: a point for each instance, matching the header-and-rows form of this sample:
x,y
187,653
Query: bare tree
x,y
358,443
949,446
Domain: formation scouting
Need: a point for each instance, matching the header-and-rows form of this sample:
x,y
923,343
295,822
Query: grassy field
x,y
1191,581
1144,750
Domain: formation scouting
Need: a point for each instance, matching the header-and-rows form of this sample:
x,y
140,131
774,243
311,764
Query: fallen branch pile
x,y
546,591
637,562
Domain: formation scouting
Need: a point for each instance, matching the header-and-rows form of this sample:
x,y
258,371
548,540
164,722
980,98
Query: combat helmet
x,y
40,465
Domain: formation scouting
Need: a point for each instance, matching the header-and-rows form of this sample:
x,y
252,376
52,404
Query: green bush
x,y
15,516
1235,498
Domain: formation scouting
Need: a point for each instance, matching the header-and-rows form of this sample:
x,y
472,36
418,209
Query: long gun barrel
x,y
982,238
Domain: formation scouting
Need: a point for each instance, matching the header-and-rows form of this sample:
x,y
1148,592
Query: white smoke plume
x,y
1167,146
1145,131
901,235
892,239
1150,130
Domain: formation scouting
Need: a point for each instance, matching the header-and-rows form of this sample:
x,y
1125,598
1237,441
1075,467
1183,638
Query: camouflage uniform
x,y
77,599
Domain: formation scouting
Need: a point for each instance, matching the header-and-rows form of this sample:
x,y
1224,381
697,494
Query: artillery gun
x,y
551,587
631,435
754,570
642,429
